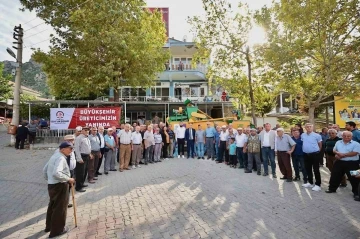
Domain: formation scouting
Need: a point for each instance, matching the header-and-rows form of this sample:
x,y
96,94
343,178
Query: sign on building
x,y
346,110
69,118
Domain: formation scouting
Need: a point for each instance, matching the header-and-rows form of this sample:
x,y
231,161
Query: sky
x,y
37,34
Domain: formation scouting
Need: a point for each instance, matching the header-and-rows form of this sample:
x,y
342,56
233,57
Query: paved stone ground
x,y
179,198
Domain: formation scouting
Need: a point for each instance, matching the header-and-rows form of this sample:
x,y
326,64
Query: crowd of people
x,y
83,154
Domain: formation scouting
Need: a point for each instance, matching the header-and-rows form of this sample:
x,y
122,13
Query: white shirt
x,y
125,137
266,142
180,133
234,131
223,136
102,141
240,140
136,138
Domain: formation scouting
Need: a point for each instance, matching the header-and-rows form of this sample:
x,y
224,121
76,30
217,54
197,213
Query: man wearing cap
x,y
95,152
209,140
110,151
77,131
284,147
241,139
83,154
125,147
253,146
57,174
222,144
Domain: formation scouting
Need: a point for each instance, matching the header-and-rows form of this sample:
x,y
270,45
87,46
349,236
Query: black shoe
x,y
208,158
65,230
357,198
274,175
141,162
289,180
47,230
248,171
69,205
283,178
85,185
106,173
241,167
113,170
98,173
199,158
146,163
330,191
296,179
343,185
81,190
203,158
259,173
265,174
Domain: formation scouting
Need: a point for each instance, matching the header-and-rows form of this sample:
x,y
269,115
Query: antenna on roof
x,y
185,38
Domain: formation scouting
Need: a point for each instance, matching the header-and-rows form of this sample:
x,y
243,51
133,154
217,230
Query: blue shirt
x,y
217,137
324,137
298,147
352,146
109,140
356,135
210,132
310,142
232,149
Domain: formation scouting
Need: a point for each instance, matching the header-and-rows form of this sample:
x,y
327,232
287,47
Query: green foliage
x,y
296,120
314,46
38,110
5,88
265,100
100,44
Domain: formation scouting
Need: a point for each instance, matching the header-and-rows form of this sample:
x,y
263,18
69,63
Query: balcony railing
x,y
185,67
170,99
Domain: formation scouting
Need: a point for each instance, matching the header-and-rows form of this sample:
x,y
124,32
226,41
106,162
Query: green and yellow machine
x,y
192,114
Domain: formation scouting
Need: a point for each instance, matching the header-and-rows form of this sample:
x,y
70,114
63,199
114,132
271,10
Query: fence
x,y
52,136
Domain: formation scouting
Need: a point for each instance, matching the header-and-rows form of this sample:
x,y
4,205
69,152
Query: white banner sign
x,y
60,118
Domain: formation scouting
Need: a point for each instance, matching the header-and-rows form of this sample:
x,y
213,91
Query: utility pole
x,y
18,35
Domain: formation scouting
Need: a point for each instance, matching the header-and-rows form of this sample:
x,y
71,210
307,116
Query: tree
x,y
37,110
100,44
265,100
314,45
5,89
223,35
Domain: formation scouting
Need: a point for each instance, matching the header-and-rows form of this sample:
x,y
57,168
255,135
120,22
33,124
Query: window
x,y
165,92
202,92
183,60
142,92
194,91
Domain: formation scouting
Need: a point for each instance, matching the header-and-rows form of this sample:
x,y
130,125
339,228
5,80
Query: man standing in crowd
x,y
267,138
180,138
217,141
200,141
172,141
351,126
324,136
298,157
190,139
149,143
83,154
110,151
330,155
57,174
77,131
32,126
125,147
312,144
337,128
136,147
223,137
210,140
284,146
347,154
241,139
95,152
252,146
100,135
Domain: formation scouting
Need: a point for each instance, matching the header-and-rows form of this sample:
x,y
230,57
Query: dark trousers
x,y
149,153
299,160
81,171
284,164
344,167
32,136
92,164
233,160
19,141
330,160
322,154
165,150
240,156
102,151
181,146
312,162
222,149
57,208
190,144
227,155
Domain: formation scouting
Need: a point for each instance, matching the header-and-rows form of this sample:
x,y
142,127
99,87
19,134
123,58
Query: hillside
x,y
32,76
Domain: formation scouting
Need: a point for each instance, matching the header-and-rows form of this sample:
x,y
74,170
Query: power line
x,y
35,26
37,43
37,33
29,21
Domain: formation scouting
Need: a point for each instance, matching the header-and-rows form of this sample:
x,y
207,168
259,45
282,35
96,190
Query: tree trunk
x,y
116,94
252,100
311,115
327,115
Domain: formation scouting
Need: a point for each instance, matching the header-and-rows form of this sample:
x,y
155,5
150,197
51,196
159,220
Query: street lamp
x,y
11,53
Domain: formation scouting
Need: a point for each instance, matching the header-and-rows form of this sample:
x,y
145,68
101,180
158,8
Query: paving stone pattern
x,y
179,198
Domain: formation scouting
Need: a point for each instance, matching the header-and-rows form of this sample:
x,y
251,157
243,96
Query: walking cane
x,y
74,204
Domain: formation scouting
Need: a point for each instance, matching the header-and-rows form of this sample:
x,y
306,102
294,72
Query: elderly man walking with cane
x,y
57,173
